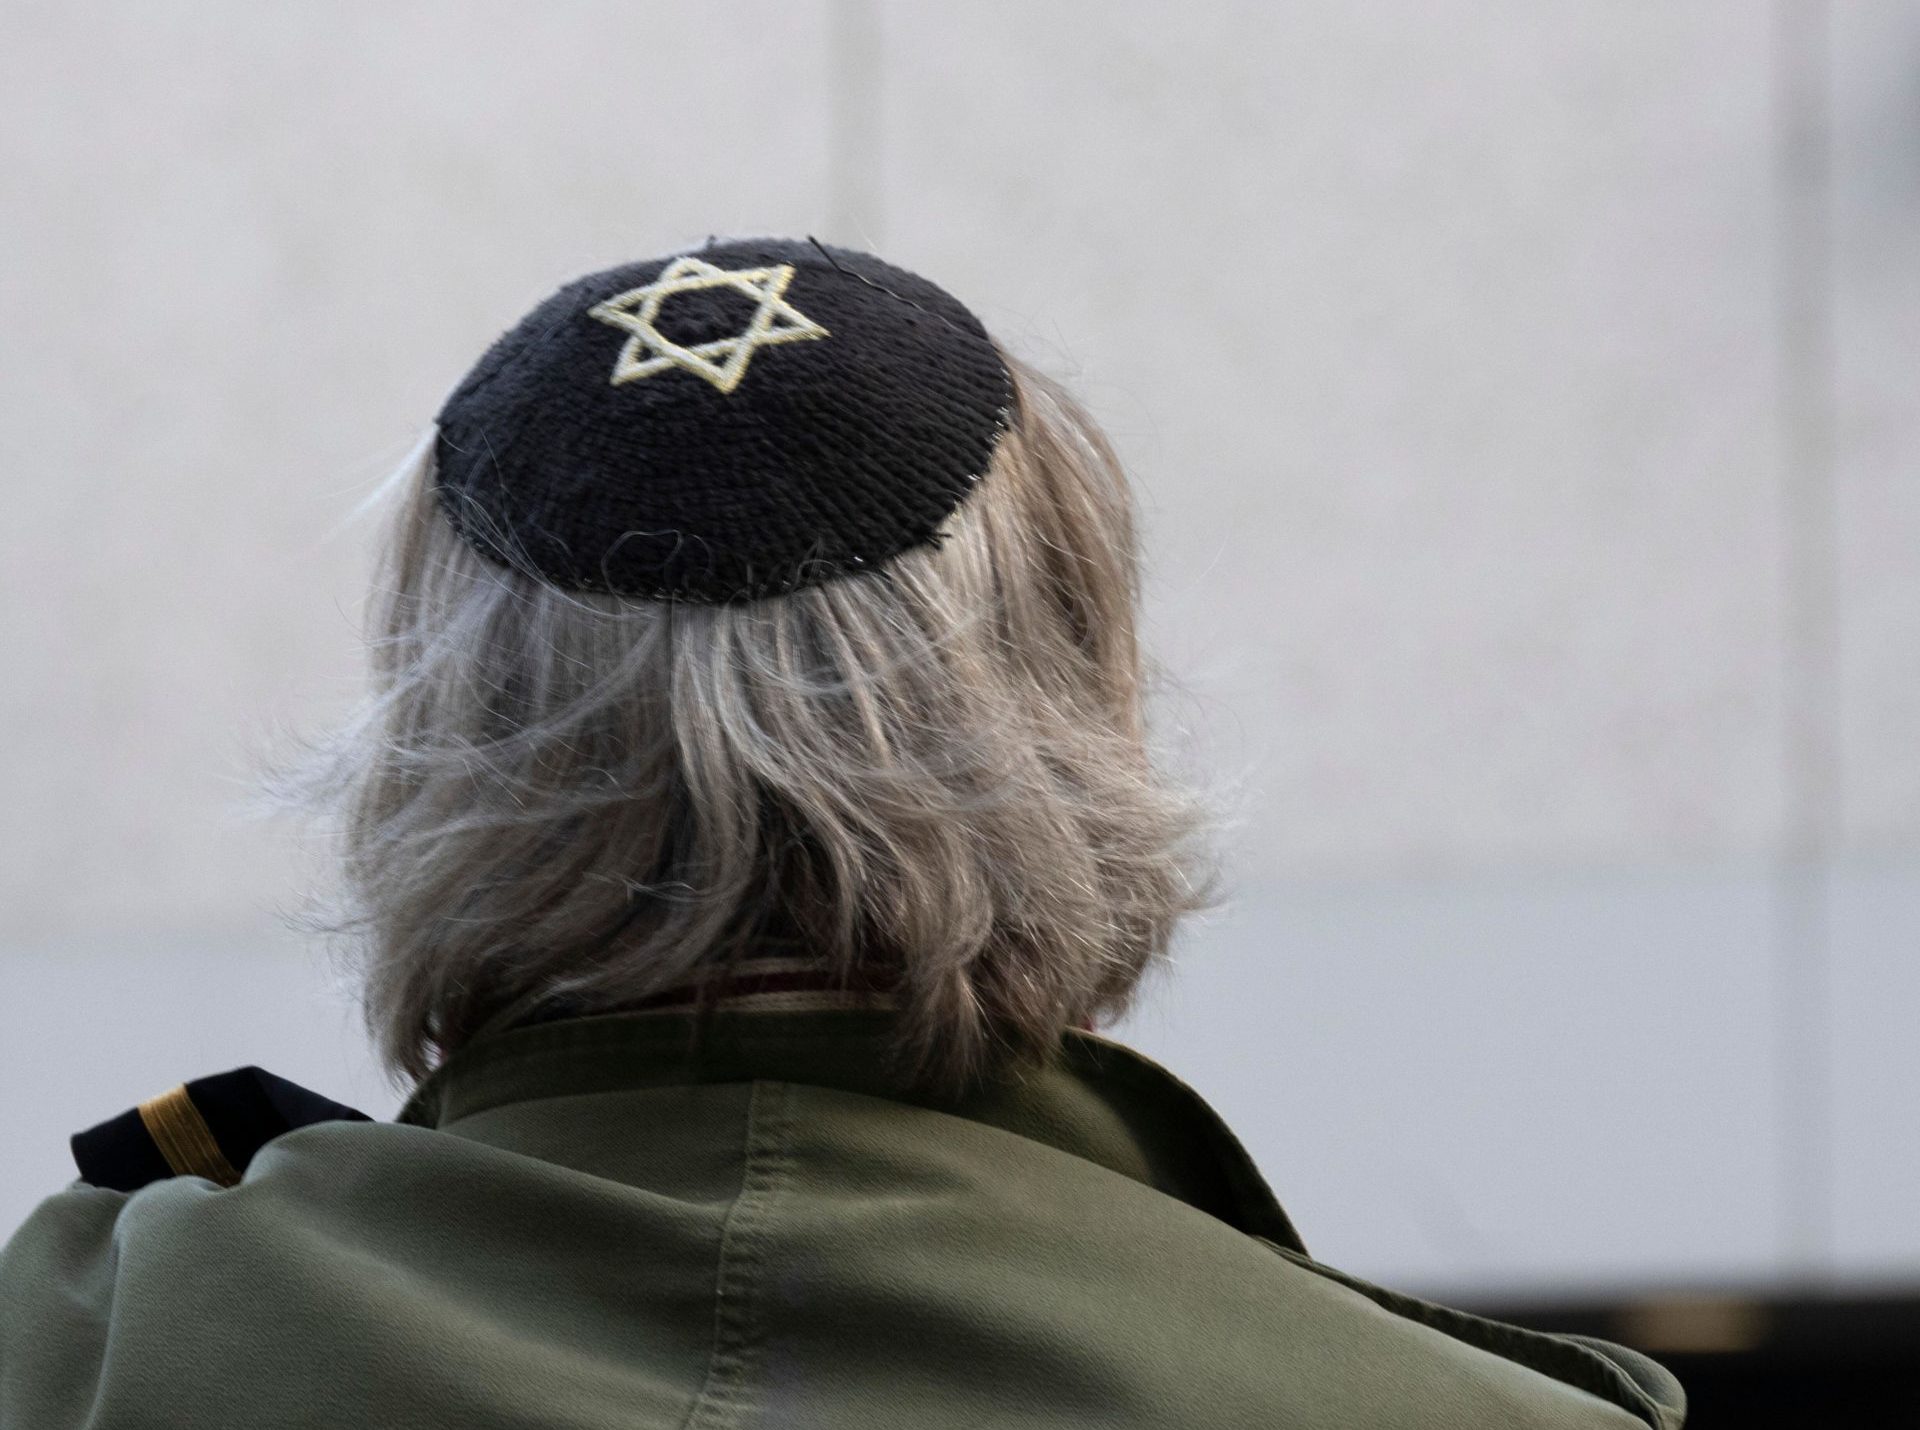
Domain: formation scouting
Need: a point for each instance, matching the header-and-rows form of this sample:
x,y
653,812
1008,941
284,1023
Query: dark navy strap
x,y
209,1127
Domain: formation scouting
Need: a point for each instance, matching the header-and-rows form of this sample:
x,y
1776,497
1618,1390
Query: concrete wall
x,y
1522,399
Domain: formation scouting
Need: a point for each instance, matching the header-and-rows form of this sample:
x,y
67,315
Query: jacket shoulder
x,y
1614,1374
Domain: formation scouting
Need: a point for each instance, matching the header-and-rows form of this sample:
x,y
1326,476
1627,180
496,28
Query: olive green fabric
x,y
571,1225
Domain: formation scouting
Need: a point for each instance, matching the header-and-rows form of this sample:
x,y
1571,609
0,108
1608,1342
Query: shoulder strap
x,y
209,1127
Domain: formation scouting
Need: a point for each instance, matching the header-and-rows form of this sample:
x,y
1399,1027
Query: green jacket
x,y
569,1226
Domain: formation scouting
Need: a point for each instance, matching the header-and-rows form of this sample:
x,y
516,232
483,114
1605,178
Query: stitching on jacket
x,y
1572,1364
727,1393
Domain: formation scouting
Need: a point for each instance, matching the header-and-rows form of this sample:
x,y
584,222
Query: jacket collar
x,y
1096,1098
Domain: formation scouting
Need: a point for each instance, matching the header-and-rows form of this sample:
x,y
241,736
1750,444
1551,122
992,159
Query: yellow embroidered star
x,y
723,361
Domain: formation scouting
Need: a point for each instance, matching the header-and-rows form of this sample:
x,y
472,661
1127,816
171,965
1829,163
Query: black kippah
x,y
734,421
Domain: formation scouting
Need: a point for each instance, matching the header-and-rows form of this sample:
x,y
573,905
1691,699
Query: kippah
x,y
729,422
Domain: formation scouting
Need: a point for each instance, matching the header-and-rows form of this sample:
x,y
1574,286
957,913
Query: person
x,y
751,825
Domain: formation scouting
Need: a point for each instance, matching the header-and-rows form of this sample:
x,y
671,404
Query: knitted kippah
x,y
734,421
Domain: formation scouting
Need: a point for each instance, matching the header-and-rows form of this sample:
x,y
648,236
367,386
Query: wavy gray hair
x,y
933,778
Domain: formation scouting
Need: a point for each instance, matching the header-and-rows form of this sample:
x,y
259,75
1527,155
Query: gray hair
x,y
932,778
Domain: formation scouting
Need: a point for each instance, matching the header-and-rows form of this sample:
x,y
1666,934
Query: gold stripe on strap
x,y
184,1139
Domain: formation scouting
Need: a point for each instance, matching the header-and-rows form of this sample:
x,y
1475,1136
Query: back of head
x,y
913,758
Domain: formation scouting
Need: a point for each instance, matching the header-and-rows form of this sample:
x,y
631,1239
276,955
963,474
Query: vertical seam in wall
x,y
854,123
1804,308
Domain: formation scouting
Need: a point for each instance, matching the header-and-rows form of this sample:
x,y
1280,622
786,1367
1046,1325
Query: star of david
x,y
722,361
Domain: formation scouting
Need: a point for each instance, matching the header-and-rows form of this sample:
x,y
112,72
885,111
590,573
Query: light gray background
x,y
1523,401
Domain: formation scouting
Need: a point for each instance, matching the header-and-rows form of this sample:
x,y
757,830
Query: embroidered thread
x,y
721,361
181,1133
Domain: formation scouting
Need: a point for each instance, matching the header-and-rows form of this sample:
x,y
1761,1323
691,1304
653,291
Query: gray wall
x,y
1523,402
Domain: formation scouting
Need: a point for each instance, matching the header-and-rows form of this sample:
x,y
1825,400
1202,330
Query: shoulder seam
x,y
1562,1360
